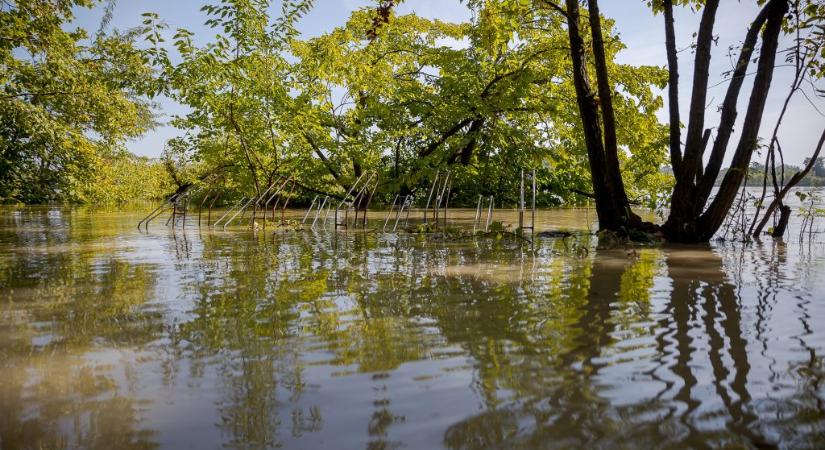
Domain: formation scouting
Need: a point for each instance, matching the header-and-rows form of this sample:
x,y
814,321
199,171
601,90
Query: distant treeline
x,y
816,177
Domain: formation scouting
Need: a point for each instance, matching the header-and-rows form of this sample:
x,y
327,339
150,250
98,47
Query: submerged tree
x,y
693,216
807,57
403,96
241,120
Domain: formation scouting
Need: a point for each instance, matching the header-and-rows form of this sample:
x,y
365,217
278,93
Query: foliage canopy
x,y
402,95
68,101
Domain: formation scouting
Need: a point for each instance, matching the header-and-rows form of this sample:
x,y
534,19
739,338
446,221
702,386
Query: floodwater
x,y
111,338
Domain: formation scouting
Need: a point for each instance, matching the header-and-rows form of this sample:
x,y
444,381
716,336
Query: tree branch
x,y
795,179
673,87
698,98
335,174
718,209
728,116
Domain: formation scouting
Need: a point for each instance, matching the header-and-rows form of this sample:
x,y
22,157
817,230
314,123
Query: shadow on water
x,y
111,338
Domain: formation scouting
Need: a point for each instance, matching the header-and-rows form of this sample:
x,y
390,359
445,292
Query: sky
x,y
639,29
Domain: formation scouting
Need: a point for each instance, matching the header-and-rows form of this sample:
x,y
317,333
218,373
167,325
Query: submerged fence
x,y
348,211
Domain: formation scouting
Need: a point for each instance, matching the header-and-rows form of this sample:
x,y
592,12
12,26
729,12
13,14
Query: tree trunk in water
x,y
712,219
683,201
795,179
612,206
782,225
611,146
687,222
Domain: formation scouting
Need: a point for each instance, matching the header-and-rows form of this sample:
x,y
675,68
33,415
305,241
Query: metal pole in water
x,y
318,211
533,215
389,213
185,208
203,202
229,211
265,203
174,211
344,200
359,200
440,197
447,198
477,218
400,211
311,205
160,212
369,200
274,194
521,203
240,210
279,192
211,204
326,213
409,200
286,202
357,203
429,197
489,215
156,212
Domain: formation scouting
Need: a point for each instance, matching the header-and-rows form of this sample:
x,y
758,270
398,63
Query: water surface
x,y
114,338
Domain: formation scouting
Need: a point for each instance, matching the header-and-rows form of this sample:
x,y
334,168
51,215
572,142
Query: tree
x,y
384,93
693,216
806,57
68,100
245,121
818,167
612,204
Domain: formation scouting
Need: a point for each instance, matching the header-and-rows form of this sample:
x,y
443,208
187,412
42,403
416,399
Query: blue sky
x,y
641,31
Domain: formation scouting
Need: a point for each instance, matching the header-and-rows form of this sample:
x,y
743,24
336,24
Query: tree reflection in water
x,y
63,320
113,339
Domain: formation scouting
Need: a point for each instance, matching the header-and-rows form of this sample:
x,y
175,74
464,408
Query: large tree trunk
x,y
611,146
683,198
612,206
712,218
673,88
687,222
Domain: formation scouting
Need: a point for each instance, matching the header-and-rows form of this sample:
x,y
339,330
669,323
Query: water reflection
x,y
65,315
114,339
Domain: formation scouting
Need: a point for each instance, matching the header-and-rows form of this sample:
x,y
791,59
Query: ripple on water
x,y
114,338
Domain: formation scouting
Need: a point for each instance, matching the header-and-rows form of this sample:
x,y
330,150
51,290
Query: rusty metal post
x,y
447,198
369,200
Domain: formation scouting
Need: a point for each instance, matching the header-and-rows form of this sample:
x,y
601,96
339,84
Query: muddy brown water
x,y
112,338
